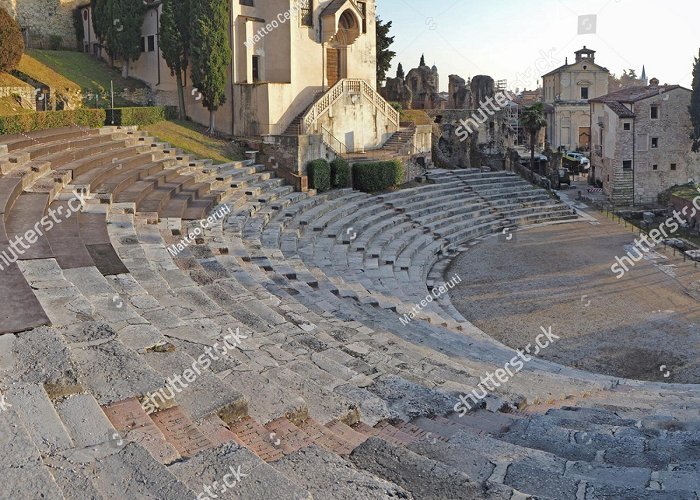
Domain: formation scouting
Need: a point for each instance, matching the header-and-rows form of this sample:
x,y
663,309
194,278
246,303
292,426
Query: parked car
x,y
578,162
573,156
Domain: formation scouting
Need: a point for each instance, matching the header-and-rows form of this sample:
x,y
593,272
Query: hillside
x,y
84,72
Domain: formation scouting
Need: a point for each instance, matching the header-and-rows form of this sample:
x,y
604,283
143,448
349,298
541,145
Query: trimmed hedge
x,y
28,122
377,176
340,173
319,175
139,116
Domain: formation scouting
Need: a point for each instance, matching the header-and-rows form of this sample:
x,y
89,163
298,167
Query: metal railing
x,y
343,87
332,142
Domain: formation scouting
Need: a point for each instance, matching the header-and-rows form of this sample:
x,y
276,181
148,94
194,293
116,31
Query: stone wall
x,y
43,19
26,93
424,84
679,204
459,93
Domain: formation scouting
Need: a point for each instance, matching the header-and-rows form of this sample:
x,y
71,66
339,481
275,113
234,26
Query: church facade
x,y
299,68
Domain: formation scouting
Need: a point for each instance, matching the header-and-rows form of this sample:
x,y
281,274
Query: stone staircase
x,y
401,143
123,380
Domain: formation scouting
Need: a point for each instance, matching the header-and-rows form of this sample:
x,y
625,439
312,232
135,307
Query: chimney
x,y
654,82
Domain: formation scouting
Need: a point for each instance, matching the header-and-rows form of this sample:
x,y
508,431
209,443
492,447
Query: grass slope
x,y
87,73
190,137
7,80
40,72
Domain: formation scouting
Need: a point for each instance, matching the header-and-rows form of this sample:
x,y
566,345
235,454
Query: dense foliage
x,y
319,175
28,122
11,42
695,105
377,176
175,43
210,52
384,55
139,116
340,173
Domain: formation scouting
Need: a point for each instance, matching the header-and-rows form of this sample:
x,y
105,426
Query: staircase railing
x,y
332,142
343,87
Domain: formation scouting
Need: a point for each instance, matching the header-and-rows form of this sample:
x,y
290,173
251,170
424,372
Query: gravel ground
x,y
643,326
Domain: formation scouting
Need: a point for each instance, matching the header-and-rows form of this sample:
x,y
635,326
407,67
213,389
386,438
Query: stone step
x,y
33,406
133,424
20,460
201,393
325,475
180,431
257,439
286,436
230,471
325,438
420,476
87,425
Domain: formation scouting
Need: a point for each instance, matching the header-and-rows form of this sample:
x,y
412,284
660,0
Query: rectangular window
x,y
363,10
654,142
627,126
654,167
151,43
256,69
673,166
627,165
642,142
584,92
654,112
249,3
306,10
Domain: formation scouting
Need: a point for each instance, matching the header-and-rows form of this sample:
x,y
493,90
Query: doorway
x,y
333,66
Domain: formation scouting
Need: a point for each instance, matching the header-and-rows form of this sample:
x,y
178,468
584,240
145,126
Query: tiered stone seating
x,y
325,393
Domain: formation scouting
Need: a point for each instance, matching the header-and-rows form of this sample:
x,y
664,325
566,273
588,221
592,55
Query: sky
x,y
520,40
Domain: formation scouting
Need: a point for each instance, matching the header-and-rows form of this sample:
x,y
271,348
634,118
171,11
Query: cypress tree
x,y
695,105
175,44
210,52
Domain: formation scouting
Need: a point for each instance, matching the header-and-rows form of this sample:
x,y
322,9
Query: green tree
x,y
79,28
100,17
384,54
124,31
399,72
695,105
210,52
11,42
175,44
532,120
422,60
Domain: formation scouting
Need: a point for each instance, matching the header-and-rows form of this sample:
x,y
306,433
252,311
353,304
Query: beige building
x,y
567,91
299,68
641,142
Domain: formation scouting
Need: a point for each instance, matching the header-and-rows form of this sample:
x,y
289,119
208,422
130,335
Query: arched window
x,y
348,29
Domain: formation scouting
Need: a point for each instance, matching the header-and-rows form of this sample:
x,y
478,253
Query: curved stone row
x,y
322,392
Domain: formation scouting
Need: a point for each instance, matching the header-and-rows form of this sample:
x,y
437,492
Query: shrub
x,y
79,28
319,175
12,42
340,173
55,42
28,122
138,116
396,105
378,176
